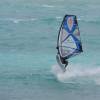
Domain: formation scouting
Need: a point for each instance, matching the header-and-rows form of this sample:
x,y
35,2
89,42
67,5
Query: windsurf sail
x,y
69,42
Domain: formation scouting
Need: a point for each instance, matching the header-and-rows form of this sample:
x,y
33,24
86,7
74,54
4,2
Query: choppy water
x,y
28,33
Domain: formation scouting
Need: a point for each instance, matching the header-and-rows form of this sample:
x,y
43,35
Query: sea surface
x,y
28,36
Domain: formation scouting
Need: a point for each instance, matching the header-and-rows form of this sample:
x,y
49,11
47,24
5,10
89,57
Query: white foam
x,y
77,72
59,17
48,6
23,20
89,20
17,20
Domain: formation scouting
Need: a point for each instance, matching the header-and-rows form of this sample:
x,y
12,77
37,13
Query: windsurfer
x,y
65,62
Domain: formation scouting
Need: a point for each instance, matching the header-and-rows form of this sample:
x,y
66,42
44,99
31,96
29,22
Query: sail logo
x,y
70,23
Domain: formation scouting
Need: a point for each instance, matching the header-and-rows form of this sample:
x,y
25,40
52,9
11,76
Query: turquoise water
x,y
28,34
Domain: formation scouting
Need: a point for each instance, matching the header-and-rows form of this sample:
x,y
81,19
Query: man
x,y
61,61
59,58
64,61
